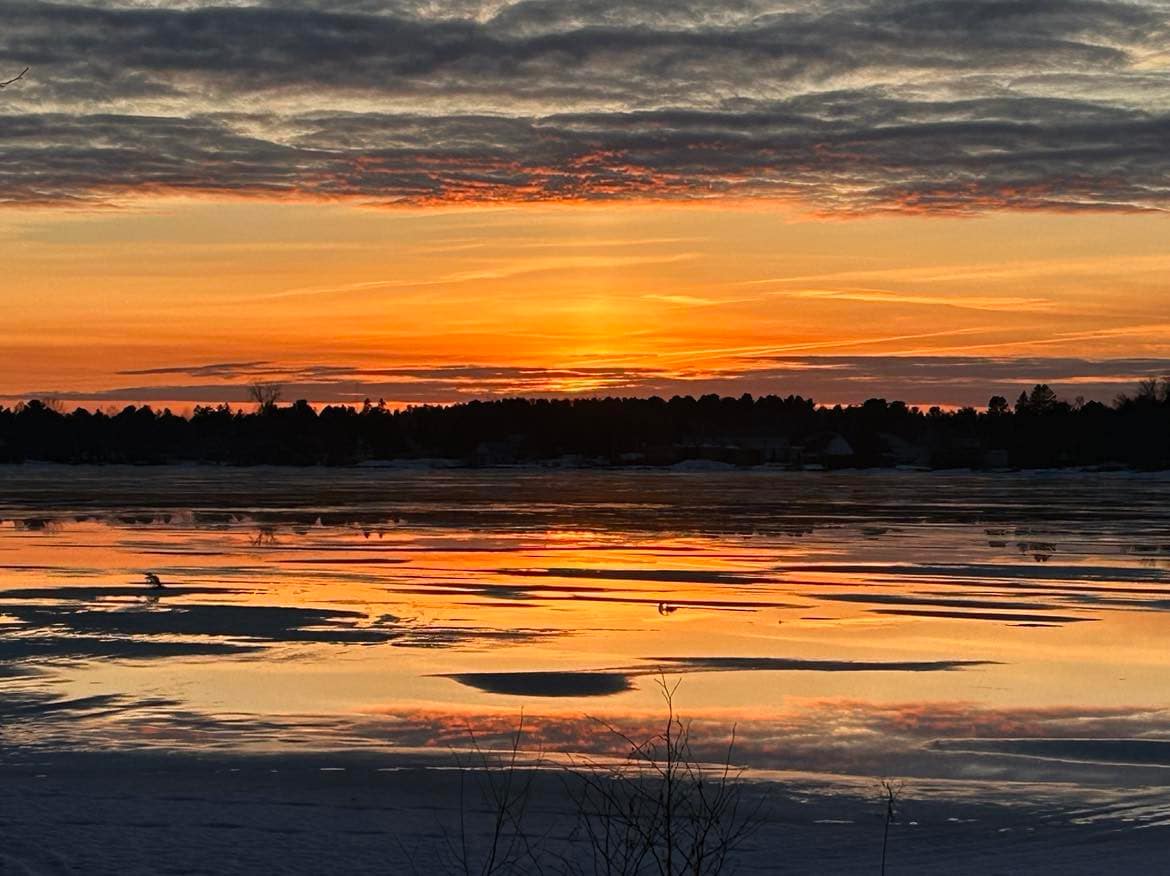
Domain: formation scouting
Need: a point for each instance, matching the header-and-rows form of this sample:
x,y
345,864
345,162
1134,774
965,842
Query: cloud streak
x,y
846,107
830,379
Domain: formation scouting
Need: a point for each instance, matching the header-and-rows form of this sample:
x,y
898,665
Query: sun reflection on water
x,y
844,624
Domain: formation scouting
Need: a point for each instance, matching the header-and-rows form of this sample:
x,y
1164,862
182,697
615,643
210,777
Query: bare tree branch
x,y
891,791
265,395
15,78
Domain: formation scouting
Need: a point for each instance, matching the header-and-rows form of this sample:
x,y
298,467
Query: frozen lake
x,y
917,625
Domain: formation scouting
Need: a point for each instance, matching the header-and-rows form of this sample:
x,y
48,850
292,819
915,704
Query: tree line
x,y
1037,430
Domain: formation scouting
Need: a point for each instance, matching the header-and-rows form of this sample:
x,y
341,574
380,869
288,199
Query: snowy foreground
x,y
97,813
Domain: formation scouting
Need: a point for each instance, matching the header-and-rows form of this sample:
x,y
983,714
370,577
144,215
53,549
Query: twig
x,y
890,793
15,78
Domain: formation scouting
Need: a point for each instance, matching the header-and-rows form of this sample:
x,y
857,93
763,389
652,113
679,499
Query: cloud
x,y
923,379
215,369
1005,304
849,106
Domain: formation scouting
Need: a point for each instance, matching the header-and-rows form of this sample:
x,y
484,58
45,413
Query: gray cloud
x,y
313,45
849,105
215,369
830,379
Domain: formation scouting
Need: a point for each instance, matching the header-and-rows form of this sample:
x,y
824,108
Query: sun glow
x,y
340,303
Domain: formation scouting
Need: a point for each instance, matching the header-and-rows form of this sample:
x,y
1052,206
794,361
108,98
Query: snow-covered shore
x,y
148,813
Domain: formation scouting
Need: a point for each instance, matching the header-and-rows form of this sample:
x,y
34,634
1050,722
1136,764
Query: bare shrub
x,y
661,810
504,786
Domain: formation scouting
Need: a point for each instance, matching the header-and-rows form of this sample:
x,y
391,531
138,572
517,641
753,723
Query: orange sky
x,y
690,293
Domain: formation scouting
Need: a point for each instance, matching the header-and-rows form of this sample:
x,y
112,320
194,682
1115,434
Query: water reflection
x,y
850,621
603,682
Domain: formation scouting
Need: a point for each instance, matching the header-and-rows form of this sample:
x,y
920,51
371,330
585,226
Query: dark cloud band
x,y
934,105
955,380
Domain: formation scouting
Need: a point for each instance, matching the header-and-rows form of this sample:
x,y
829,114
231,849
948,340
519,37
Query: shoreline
x,y
695,467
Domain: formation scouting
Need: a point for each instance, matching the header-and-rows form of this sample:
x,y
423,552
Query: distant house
x,y
732,451
827,449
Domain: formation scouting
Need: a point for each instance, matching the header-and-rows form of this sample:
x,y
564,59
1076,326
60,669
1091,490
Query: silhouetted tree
x,y
1042,431
1041,400
265,395
1150,392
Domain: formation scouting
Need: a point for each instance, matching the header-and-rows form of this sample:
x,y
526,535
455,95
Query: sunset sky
x,y
434,200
